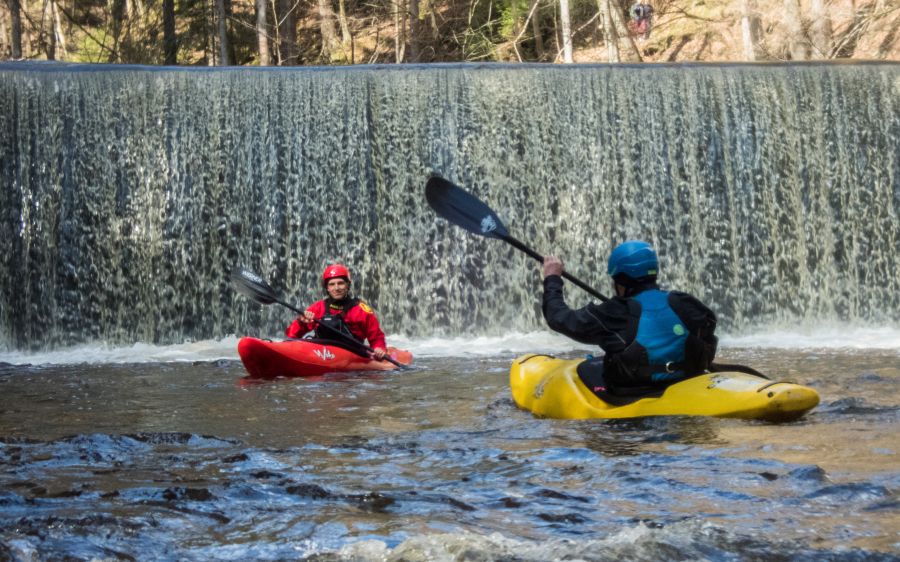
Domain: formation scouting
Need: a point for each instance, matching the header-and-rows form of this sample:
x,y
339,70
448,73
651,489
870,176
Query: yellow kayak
x,y
550,387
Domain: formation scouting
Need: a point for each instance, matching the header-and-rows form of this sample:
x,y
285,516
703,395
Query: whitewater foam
x,y
513,344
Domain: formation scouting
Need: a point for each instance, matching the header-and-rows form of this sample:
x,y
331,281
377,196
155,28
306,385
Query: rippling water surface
x,y
185,460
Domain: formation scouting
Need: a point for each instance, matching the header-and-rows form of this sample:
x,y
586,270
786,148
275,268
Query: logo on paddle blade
x,y
324,354
488,224
252,277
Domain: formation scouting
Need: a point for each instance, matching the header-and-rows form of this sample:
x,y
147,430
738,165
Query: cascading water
x,y
128,193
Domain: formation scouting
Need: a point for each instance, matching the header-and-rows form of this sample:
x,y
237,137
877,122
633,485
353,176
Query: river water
x,y
165,453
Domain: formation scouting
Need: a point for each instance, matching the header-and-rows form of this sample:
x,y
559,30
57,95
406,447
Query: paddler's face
x,y
337,288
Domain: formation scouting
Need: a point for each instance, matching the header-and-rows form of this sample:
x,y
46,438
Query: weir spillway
x,y
128,194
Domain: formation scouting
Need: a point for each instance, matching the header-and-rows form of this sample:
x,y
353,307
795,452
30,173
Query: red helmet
x,y
335,270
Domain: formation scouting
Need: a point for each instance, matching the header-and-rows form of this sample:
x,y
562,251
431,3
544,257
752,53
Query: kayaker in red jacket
x,y
347,317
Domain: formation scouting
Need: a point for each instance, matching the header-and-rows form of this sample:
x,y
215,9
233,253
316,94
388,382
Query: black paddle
x,y
255,287
466,211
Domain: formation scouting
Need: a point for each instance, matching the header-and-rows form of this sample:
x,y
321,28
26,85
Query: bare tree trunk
x,y
134,8
262,35
346,36
48,38
31,36
400,30
276,31
414,31
609,31
820,30
15,31
116,16
536,30
58,29
210,35
429,7
4,37
566,28
750,30
287,33
330,45
222,29
170,41
794,29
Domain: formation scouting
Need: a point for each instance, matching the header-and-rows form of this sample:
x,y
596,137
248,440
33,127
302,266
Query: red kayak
x,y
308,358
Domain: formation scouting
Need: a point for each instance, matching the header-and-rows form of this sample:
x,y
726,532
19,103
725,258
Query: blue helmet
x,y
634,258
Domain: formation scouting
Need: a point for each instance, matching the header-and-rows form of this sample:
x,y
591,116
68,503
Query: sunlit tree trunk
x,y
135,8
48,38
58,29
287,33
346,36
565,23
4,36
820,30
609,31
222,31
793,26
330,45
170,41
750,29
262,34
275,5
399,30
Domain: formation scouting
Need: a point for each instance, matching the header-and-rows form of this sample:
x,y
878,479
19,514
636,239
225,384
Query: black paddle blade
x,y
252,285
463,209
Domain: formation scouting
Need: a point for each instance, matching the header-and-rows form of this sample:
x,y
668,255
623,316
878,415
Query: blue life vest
x,y
661,333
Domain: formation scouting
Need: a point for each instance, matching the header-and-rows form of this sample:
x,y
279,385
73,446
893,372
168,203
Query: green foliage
x,y
87,50
477,39
512,17
477,46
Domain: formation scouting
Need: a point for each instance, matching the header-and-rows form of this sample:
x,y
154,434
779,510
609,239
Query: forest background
x,y
340,32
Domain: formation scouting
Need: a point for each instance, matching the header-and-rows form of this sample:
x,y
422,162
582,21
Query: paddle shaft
x,y
520,246
387,358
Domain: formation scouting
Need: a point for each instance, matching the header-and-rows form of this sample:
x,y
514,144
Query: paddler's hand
x,y
552,266
379,353
308,317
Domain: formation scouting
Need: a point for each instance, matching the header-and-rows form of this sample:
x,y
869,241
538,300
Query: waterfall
x,y
771,192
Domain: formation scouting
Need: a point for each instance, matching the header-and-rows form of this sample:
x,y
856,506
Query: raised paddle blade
x,y
466,211
463,209
253,286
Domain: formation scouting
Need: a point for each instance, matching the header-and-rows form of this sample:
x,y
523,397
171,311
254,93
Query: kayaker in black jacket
x,y
651,337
